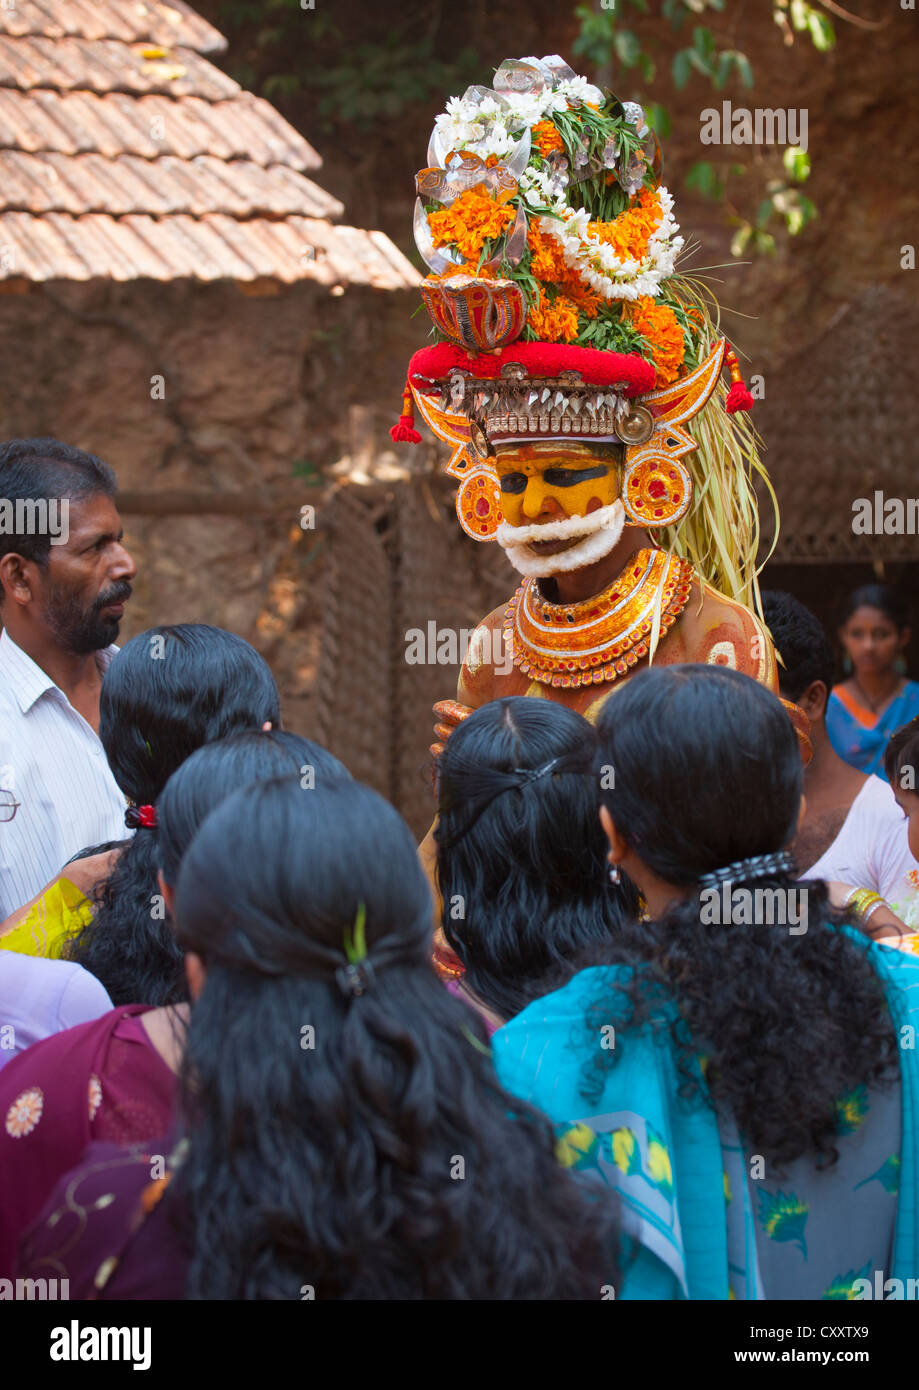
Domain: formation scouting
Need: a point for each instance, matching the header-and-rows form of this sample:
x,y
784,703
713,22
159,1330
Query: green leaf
x,y
744,67
627,46
723,70
797,163
799,14
823,35
703,42
764,212
805,212
658,119
740,239
681,68
701,178
701,64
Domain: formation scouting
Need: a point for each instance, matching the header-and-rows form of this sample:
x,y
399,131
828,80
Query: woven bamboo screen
x,y
397,560
840,421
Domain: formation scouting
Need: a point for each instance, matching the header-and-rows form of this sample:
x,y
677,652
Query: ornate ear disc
x,y
478,503
656,490
636,426
480,441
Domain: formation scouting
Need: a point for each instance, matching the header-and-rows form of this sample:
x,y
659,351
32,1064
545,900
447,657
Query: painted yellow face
x,y
552,479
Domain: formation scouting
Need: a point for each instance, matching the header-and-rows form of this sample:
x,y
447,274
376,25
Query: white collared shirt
x,y
55,766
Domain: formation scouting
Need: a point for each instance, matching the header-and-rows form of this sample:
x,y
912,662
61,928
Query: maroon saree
x,y
105,1230
102,1080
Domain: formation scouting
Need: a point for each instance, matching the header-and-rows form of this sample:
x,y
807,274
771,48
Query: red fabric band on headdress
x,y
627,370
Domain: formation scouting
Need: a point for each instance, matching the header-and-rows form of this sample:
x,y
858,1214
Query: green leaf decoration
x,y
888,1175
783,1217
625,1150
660,1170
356,943
576,1146
851,1110
842,1289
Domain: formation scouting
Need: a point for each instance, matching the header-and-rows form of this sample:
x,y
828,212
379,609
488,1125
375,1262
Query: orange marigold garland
x,y
554,321
471,220
631,231
547,260
658,324
547,264
546,138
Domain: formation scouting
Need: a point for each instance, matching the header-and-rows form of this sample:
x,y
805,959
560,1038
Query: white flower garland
x,y
597,263
490,128
495,129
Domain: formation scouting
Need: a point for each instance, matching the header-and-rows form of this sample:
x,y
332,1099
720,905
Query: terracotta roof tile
x,y
244,127
107,65
129,20
57,246
90,183
119,160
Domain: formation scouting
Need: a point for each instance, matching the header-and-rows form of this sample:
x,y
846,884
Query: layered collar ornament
x,y
601,638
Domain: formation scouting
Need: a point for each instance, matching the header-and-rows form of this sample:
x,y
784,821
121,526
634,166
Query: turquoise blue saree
x,y
704,1218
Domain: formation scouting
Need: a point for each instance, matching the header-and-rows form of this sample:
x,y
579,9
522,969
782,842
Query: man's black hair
x,y
801,642
33,470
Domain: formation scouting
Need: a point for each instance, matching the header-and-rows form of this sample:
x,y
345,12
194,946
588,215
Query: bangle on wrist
x,y
864,901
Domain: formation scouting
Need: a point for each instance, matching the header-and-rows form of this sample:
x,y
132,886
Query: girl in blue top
x,y
876,699
741,1064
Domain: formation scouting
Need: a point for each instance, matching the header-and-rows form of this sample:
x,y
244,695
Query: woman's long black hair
x,y
708,772
167,692
348,1134
521,859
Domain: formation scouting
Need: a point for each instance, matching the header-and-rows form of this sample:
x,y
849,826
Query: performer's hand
x,y
450,714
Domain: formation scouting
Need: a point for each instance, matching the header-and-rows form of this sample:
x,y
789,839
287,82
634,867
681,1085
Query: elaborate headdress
x,y
559,314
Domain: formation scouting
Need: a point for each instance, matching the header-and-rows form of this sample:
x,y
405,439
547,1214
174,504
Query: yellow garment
x,y
58,914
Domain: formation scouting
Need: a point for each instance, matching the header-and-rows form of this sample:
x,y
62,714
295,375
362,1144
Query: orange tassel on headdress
x,y
404,432
739,397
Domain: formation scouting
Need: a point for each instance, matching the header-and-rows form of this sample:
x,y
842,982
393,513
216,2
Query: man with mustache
x,y
571,354
575,516
565,530
62,596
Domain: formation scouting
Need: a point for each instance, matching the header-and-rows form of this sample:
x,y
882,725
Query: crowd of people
x,y
251,1049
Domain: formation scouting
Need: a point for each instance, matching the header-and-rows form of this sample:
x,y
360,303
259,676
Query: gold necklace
x,y
600,638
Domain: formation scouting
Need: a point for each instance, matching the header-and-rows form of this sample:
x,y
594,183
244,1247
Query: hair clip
x,y
532,774
355,980
757,866
357,976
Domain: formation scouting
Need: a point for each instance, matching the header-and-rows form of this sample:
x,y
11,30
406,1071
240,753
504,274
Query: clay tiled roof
x,y
132,21
124,154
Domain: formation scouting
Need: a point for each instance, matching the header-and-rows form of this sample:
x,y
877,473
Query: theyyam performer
x,y
578,377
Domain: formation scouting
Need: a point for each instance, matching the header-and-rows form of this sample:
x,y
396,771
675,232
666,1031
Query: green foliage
x,y
373,82
703,178
307,470
610,332
611,41
806,18
360,76
797,163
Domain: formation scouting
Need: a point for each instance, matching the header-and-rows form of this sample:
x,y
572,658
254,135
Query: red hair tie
x,y
136,817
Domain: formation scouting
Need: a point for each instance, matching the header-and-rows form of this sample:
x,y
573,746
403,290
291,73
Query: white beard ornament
x,y
598,532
